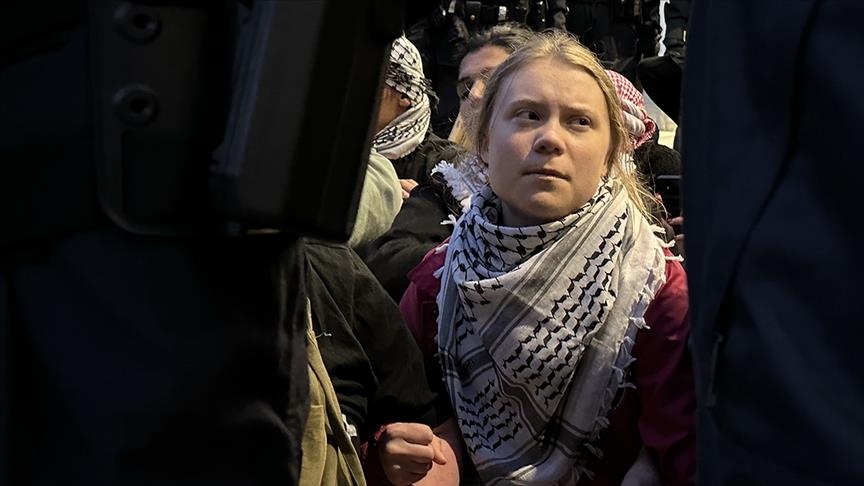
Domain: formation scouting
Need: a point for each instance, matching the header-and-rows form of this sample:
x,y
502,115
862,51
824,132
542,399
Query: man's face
x,y
474,69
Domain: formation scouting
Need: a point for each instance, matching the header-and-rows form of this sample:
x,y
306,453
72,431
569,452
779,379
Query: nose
x,y
549,140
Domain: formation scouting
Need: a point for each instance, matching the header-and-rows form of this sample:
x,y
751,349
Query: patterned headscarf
x,y
639,125
405,71
405,75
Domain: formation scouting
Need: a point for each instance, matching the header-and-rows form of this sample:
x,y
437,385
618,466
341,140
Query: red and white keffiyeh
x,y
639,125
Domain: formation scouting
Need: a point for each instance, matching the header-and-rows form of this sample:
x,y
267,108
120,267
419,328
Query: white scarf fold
x,y
535,330
463,179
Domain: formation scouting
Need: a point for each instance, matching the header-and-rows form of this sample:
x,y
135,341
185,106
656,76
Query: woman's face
x,y
548,142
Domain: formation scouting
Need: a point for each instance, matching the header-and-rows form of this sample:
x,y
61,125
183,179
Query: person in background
x,y
484,52
402,127
403,150
558,318
661,75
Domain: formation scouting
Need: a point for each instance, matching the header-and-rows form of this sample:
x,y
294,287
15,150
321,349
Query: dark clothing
x,y
537,15
661,75
653,159
129,359
773,238
677,16
418,164
416,229
374,365
661,79
619,32
133,360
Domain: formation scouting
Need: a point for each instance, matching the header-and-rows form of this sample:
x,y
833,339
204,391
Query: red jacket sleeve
x,y
419,303
664,382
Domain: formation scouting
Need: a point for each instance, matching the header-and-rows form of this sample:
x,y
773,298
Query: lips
x,y
547,172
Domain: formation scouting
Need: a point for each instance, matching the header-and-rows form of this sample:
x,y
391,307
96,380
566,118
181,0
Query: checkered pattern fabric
x,y
640,126
405,71
405,75
535,329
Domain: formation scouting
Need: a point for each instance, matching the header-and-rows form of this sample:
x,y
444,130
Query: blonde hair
x,y
563,47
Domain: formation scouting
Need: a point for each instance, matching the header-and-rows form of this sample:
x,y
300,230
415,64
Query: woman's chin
x,y
533,214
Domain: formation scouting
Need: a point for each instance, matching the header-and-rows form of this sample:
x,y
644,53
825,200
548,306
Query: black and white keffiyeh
x,y
535,329
405,75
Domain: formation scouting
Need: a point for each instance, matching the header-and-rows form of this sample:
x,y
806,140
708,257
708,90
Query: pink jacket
x,y
659,414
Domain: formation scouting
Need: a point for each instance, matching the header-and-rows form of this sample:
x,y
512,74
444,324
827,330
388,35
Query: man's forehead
x,y
482,60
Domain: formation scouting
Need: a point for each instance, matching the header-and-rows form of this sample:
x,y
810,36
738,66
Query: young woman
x,y
560,318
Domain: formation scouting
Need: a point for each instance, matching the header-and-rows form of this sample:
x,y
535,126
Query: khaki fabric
x,y
329,457
380,201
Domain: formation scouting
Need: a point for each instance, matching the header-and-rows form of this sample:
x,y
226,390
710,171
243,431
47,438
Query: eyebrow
x,y
483,72
530,103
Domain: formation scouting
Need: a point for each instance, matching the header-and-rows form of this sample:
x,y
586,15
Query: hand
x,y
408,451
678,221
407,186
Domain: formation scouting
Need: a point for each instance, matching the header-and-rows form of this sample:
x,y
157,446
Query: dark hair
x,y
653,159
508,36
